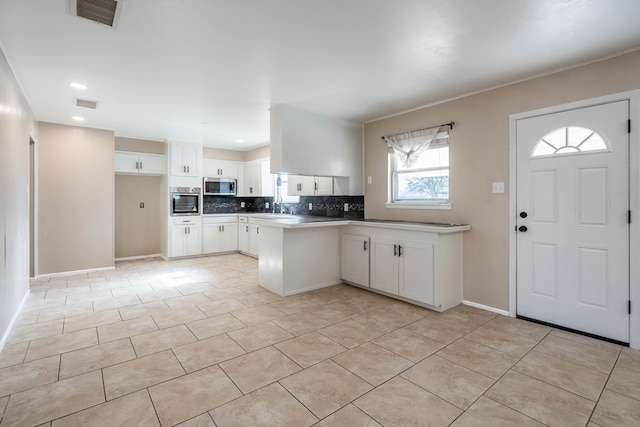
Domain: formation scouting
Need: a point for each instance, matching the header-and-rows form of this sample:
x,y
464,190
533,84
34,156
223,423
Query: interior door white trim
x,y
634,198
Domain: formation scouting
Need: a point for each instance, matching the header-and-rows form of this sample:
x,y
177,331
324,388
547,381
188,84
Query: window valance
x,y
407,146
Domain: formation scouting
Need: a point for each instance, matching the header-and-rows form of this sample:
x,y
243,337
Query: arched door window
x,y
569,140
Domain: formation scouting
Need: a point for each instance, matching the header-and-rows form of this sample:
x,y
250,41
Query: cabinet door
x,y
355,259
194,240
252,173
211,238
267,180
178,241
384,265
150,164
190,159
324,186
229,237
243,238
176,163
254,239
308,185
125,163
416,280
294,186
219,168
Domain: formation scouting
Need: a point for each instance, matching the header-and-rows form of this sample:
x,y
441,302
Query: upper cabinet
x,y
130,163
258,180
303,185
310,144
219,168
185,159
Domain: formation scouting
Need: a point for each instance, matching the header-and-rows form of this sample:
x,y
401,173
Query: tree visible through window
x,y
427,180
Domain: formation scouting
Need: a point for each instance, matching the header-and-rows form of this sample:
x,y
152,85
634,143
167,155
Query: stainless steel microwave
x,y
219,186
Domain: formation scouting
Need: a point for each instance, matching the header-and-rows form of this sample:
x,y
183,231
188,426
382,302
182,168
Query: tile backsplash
x,y
331,206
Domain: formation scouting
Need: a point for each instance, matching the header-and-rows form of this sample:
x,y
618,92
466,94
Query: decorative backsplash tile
x,y
331,206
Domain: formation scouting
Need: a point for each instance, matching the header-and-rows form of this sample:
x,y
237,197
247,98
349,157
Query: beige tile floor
x,y
199,343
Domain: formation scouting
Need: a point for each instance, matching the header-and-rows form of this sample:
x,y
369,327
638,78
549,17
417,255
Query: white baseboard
x,y
486,307
5,336
71,273
133,258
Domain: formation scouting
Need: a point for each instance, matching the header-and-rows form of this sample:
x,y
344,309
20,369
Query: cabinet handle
x,y
247,229
140,165
185,230
395,250
365,245
223,228
188,169
257,230
137,166
399,250
219,229
315,186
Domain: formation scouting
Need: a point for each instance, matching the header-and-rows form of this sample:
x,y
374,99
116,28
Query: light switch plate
x,y
242,204
369,180
346,207
310,206
266,205
498,187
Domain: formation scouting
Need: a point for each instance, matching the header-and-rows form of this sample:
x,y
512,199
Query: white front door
x,y
572,201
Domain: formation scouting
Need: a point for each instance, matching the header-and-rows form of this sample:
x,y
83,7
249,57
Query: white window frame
x,y
415,204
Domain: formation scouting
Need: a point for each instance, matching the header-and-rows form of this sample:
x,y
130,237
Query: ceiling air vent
x,y
101,11
86,103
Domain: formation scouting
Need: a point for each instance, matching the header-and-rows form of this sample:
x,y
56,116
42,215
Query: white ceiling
x,y
171,66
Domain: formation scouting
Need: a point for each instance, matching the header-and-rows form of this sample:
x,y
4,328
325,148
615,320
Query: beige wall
x,y
219,154
17,126
139,145
479,155
257,153
137,229
76,198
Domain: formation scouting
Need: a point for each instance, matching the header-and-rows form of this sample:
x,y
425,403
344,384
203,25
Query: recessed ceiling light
x,y
78,85
239,141
78,118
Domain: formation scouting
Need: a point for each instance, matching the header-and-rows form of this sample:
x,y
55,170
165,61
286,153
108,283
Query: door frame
x,y
633,97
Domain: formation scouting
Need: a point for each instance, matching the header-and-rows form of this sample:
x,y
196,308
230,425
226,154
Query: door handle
x,y
522,228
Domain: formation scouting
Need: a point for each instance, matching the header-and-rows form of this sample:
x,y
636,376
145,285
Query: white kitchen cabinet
x,y
185,159
423,267
403,267
219,168
303,185
243,234
219,234
254,239
324,186
131,163
258,180
355,259
252,177
186,237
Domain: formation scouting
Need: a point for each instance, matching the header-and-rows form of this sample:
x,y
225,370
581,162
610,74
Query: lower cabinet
x,y
254,239
403,268
355,259
219,234
186,237
423,267
243,234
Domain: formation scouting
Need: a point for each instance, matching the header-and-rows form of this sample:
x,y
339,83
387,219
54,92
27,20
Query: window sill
x,y
419,205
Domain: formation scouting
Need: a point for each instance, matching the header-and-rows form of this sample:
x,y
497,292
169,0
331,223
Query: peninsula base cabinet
x,y
243,234
354,264
422,267
219,234
186,237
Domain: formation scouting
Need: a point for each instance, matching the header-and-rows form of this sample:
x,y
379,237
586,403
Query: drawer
x,y
219,219
187,220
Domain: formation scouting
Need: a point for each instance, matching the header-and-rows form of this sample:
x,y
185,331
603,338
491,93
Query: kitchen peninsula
x,y
416,262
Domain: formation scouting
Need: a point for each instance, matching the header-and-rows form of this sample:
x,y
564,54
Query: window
x,y
424,183
569,140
